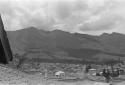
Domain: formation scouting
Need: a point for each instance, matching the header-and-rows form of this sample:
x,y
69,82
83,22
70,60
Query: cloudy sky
x,y
83,16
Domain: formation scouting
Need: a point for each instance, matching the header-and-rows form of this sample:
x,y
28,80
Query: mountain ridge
x,y
60,44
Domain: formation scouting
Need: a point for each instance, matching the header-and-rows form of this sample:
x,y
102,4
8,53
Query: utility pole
x,y
6,55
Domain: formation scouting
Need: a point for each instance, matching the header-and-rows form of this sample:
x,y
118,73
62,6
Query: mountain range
x,y
57,45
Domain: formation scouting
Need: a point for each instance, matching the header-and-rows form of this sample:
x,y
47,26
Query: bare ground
x,y
9,76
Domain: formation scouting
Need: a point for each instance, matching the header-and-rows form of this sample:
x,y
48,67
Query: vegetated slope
x,y
58,44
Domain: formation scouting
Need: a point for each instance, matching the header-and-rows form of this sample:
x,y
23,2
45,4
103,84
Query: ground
x,y
9,76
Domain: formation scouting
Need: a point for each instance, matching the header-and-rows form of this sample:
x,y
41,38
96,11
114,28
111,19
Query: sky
x,y
83,16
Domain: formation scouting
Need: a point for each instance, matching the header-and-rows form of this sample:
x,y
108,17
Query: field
x,y
34,73
10,76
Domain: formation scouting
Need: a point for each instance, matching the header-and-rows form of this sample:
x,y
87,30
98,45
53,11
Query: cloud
x,y
103,23
18,14
68,15
63,9
86,18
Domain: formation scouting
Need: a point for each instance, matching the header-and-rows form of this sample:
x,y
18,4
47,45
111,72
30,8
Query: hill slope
x,y
58,44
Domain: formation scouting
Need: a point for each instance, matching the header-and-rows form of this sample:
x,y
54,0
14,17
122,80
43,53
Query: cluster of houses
x,y
61,70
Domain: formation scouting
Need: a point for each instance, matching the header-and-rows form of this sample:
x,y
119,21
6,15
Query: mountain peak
x,y
112,34
57,30
48,44
116,33
31,28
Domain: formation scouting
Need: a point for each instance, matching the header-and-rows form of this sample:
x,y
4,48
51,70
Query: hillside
x,y
57,44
